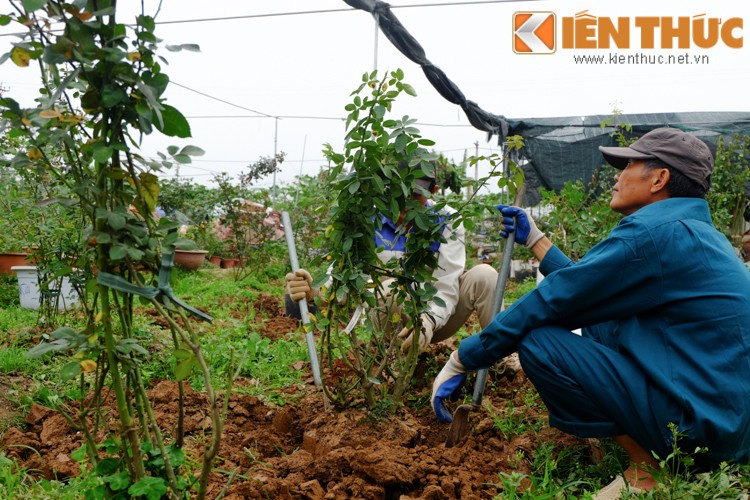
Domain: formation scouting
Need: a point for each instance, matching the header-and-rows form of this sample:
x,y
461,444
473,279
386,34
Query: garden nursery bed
x,y
304,448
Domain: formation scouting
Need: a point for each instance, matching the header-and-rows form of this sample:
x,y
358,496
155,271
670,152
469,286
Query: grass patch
x,y
13,359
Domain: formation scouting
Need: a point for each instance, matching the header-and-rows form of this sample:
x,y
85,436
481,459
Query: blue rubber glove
x,y
448,386
516,219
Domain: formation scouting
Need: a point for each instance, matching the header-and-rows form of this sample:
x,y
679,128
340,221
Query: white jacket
x,y
450,266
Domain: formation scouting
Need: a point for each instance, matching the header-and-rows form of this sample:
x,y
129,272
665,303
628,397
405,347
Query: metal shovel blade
x,y
460,425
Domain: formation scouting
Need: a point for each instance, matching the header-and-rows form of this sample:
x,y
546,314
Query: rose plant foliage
x,y
102,90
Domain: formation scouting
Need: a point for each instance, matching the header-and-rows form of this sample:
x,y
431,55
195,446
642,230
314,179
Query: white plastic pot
x,y
28,289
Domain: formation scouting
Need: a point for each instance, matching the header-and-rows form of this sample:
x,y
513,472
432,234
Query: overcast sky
x,y
256,63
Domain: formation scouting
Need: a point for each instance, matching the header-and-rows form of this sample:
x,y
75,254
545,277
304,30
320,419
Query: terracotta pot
x,y
10,259
215,260
190,259
228,263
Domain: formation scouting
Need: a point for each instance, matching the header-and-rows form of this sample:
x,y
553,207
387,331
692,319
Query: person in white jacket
x,y
461,291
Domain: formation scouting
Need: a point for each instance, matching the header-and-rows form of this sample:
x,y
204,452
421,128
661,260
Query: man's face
x,y
632,189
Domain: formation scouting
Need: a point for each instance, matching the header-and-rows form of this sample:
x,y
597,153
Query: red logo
x,y
534,32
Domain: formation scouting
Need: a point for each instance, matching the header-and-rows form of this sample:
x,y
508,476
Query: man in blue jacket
x,y
664,307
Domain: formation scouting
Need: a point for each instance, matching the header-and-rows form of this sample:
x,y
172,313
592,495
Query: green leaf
x,y
147,22
182,354
79,455
183,369
64,332
107,466
153,488
101,238
70,371
102,153
150,94
118,481
192,151
175,124
182,159
149,189
53,56
176,456
45,347
118,252
379,186
192,47
112,95
20,56
400,143
144,111
409,89
116,221
126,346
147,37
169,239
5,20
135,253
185,244
32,5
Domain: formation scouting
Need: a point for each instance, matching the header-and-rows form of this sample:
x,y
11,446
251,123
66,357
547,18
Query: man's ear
x,y
659,180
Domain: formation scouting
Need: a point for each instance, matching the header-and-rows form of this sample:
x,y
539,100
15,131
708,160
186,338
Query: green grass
x,y
13,359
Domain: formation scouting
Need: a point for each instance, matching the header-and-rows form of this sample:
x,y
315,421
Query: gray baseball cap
x,y
680,150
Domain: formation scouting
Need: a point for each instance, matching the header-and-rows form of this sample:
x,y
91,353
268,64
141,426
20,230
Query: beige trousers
x,y
475,293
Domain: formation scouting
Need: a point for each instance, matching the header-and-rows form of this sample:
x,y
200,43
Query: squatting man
x,y
461,291
664,307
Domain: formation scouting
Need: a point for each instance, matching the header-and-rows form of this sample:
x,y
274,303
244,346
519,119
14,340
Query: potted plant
x,y
189,259
16,220
215,248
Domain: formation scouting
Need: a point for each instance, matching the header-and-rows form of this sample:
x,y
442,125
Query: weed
x,y
513,421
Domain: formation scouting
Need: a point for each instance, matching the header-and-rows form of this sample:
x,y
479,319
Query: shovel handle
x,y
497,304
304,314
476,398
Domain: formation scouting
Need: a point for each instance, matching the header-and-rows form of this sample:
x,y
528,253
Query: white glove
x,y
299,286
407,335
447,385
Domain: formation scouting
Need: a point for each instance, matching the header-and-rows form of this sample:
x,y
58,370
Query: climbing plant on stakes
x,y
102,90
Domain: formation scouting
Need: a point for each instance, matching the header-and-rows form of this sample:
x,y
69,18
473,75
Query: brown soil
x,y
304,451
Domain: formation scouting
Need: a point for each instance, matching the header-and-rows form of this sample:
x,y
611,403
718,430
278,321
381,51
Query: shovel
x,y
460,425
304,314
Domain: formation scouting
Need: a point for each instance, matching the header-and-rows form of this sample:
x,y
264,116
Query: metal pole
x,y
275,143
375,44
476,167
304,314
301,163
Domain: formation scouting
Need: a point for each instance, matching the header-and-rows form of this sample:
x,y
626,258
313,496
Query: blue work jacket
x,y
676,299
